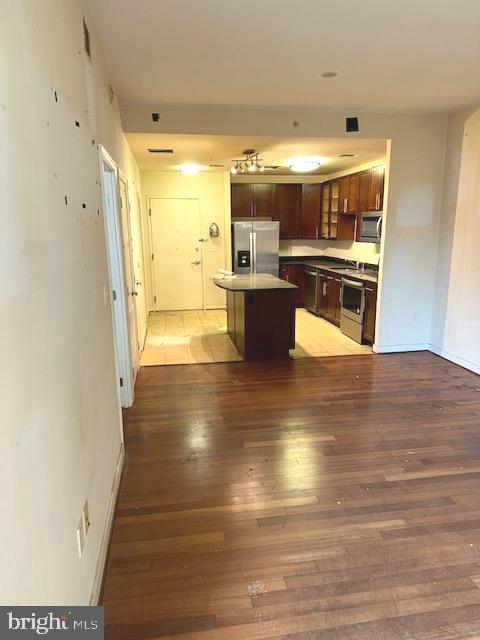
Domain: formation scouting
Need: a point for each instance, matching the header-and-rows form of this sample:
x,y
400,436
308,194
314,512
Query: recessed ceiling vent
x,y
160,150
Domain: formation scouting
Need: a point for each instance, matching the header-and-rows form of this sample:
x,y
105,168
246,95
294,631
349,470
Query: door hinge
x,y
114,295
121,382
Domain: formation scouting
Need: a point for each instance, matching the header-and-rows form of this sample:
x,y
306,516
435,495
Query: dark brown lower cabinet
x,y
331,292
261,322
295,273
370,312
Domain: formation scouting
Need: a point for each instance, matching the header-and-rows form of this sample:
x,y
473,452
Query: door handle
x,y
195,262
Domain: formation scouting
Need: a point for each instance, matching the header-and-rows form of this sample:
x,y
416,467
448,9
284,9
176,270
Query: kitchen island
x,y
260,314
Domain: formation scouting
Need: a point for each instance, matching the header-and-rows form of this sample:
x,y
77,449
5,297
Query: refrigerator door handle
x,y
251,252
254,252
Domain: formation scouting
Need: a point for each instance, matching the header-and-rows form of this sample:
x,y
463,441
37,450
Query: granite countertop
x,y
366,275
256,282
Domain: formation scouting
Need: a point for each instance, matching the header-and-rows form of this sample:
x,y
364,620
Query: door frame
x,y
109,177
123,179
150,242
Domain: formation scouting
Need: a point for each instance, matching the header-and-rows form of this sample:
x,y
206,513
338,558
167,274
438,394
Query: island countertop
x,y
254,282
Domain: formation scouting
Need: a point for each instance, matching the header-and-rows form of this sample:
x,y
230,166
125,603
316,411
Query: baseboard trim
x,y
398,348
466,364
107,530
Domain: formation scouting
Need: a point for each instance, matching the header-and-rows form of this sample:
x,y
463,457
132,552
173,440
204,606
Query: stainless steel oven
x,y
371,226
352,309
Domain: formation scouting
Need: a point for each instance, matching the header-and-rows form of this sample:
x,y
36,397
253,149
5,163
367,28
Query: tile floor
x,y
316,337
188,337
191,337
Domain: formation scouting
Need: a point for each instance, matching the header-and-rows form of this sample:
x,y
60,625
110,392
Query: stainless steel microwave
x,y
371,226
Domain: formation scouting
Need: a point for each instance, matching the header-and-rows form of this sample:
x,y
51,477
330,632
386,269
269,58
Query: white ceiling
x,y
420,55
221,150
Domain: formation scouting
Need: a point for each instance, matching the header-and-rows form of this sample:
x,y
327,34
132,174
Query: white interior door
x,y
176,254
130,286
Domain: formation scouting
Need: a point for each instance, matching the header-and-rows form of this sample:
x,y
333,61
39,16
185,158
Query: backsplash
x,y
362,251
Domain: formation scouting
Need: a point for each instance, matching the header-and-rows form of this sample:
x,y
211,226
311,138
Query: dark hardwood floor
x,y
320,499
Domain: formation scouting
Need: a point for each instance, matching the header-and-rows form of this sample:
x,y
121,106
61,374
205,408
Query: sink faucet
x,y
354,263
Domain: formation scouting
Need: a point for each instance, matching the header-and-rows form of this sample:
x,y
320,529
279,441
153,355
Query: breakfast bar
x,y
260,314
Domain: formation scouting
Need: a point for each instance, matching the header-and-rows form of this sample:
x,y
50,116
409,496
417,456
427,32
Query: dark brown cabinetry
x,y
370,312
328,297
375,193
295,273
261,323
287,202
328,211
252,199
310,212
349,193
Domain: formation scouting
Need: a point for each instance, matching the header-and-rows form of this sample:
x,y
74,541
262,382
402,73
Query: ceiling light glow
x,y
304,165
190,169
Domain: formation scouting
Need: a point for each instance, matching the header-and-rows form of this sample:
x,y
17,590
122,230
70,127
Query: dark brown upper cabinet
x,y
242,200
329,210
287,203
310,216
263,199
252,199
349,193
375,197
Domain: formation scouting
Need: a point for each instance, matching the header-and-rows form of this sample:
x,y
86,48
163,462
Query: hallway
x,y
330,498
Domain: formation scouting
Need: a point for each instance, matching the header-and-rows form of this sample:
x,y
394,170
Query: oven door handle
x,y
352,283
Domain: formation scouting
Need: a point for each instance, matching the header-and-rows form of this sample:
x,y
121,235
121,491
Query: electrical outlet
x,y
85,518
80,537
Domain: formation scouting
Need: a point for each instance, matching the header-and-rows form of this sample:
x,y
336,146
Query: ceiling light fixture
x,y
251,163
303,165
190,169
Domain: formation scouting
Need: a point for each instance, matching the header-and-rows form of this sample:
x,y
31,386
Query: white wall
x,y
456,309
415,153
213,192
60,422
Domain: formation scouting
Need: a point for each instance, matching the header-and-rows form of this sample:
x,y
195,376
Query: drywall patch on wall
x,y
209,189
61,423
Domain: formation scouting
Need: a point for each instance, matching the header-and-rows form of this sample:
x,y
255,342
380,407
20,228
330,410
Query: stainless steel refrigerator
x,y
255,247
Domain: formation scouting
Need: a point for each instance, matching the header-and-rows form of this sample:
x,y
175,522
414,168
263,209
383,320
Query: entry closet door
x,y
176,254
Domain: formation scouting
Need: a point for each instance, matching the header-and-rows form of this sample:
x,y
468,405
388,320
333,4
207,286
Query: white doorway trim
x,y
131,293
116,268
